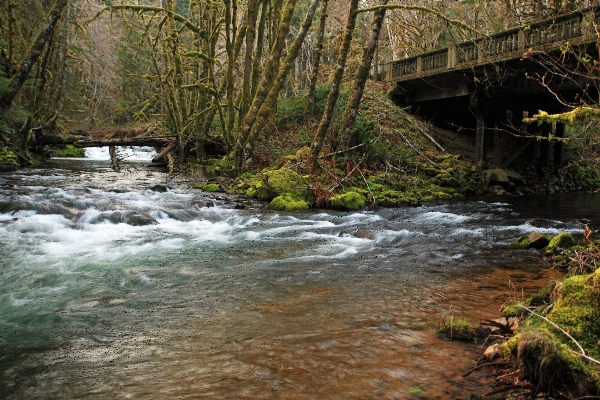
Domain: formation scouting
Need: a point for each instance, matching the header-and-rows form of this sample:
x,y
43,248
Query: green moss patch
x,y
521,243
69,151
9,161
458,329
563,240
350,201
211,187
578,310
287,202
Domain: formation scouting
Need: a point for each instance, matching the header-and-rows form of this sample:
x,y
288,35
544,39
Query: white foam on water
x,y
128,153
443,218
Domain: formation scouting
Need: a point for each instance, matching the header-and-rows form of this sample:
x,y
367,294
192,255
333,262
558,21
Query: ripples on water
x,y
109,289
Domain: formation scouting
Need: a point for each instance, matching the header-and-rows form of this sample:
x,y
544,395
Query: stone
x,y
491,351
497,175
538,240
139,219
159,188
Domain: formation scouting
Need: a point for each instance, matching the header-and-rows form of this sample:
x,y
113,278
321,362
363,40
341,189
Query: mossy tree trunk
x,y
362,74
266,83
334,92
316,61
35,51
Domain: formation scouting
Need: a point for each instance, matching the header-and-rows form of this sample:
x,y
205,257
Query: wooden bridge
x,y
487,77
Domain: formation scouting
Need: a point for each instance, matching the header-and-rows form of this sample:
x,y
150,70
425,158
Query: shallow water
x,y
111,290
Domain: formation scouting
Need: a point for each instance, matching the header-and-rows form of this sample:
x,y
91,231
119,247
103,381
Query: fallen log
x,y
146,141
82,141
158,158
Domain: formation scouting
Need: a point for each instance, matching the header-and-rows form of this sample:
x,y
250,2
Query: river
x,y
109,289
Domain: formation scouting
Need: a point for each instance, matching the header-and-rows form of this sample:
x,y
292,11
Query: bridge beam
x,y
477,102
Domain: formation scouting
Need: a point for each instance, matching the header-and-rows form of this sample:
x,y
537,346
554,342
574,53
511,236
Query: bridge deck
x,y
576,28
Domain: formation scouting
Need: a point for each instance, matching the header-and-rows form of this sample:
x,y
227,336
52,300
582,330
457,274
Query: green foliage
x,y
69,151
8,159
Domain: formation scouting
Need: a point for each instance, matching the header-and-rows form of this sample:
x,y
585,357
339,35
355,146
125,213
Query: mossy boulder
x,y
288,202
349,201
274,183
9,161
521,243
563,241
210,187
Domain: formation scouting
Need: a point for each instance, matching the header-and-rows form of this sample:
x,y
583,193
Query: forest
x,y
285,102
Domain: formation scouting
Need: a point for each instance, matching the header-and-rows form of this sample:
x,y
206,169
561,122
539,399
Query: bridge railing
x,y
576,28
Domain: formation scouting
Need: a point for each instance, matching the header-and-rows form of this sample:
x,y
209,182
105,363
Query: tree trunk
x,y
316,62
362,74
33,55
269,107
334,92
266,82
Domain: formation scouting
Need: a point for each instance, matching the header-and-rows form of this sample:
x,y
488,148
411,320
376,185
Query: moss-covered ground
x,y
557,348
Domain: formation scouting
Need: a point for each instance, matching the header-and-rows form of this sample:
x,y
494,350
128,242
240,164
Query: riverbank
x,y
545,345
394,159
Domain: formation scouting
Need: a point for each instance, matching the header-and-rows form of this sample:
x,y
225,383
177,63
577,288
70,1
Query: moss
x,y
513,309
521,243
69,151
211,187
578,310
458,329
547,364
8,160
287,202
285,180
350,201
563,240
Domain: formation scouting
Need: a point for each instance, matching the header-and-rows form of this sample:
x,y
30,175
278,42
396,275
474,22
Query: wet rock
x,y
139,219
365,235
538,240
159,188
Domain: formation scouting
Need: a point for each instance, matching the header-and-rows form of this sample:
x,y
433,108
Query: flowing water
x,y
109,289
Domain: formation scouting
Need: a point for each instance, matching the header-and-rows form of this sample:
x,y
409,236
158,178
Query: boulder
x,y
562,240
288,202
159,188
538,240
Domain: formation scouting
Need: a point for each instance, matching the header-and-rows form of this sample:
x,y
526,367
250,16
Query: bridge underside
x,y
487,104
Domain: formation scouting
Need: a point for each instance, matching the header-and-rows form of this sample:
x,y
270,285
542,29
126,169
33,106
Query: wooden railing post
x,y
452,55
419,65
522,39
